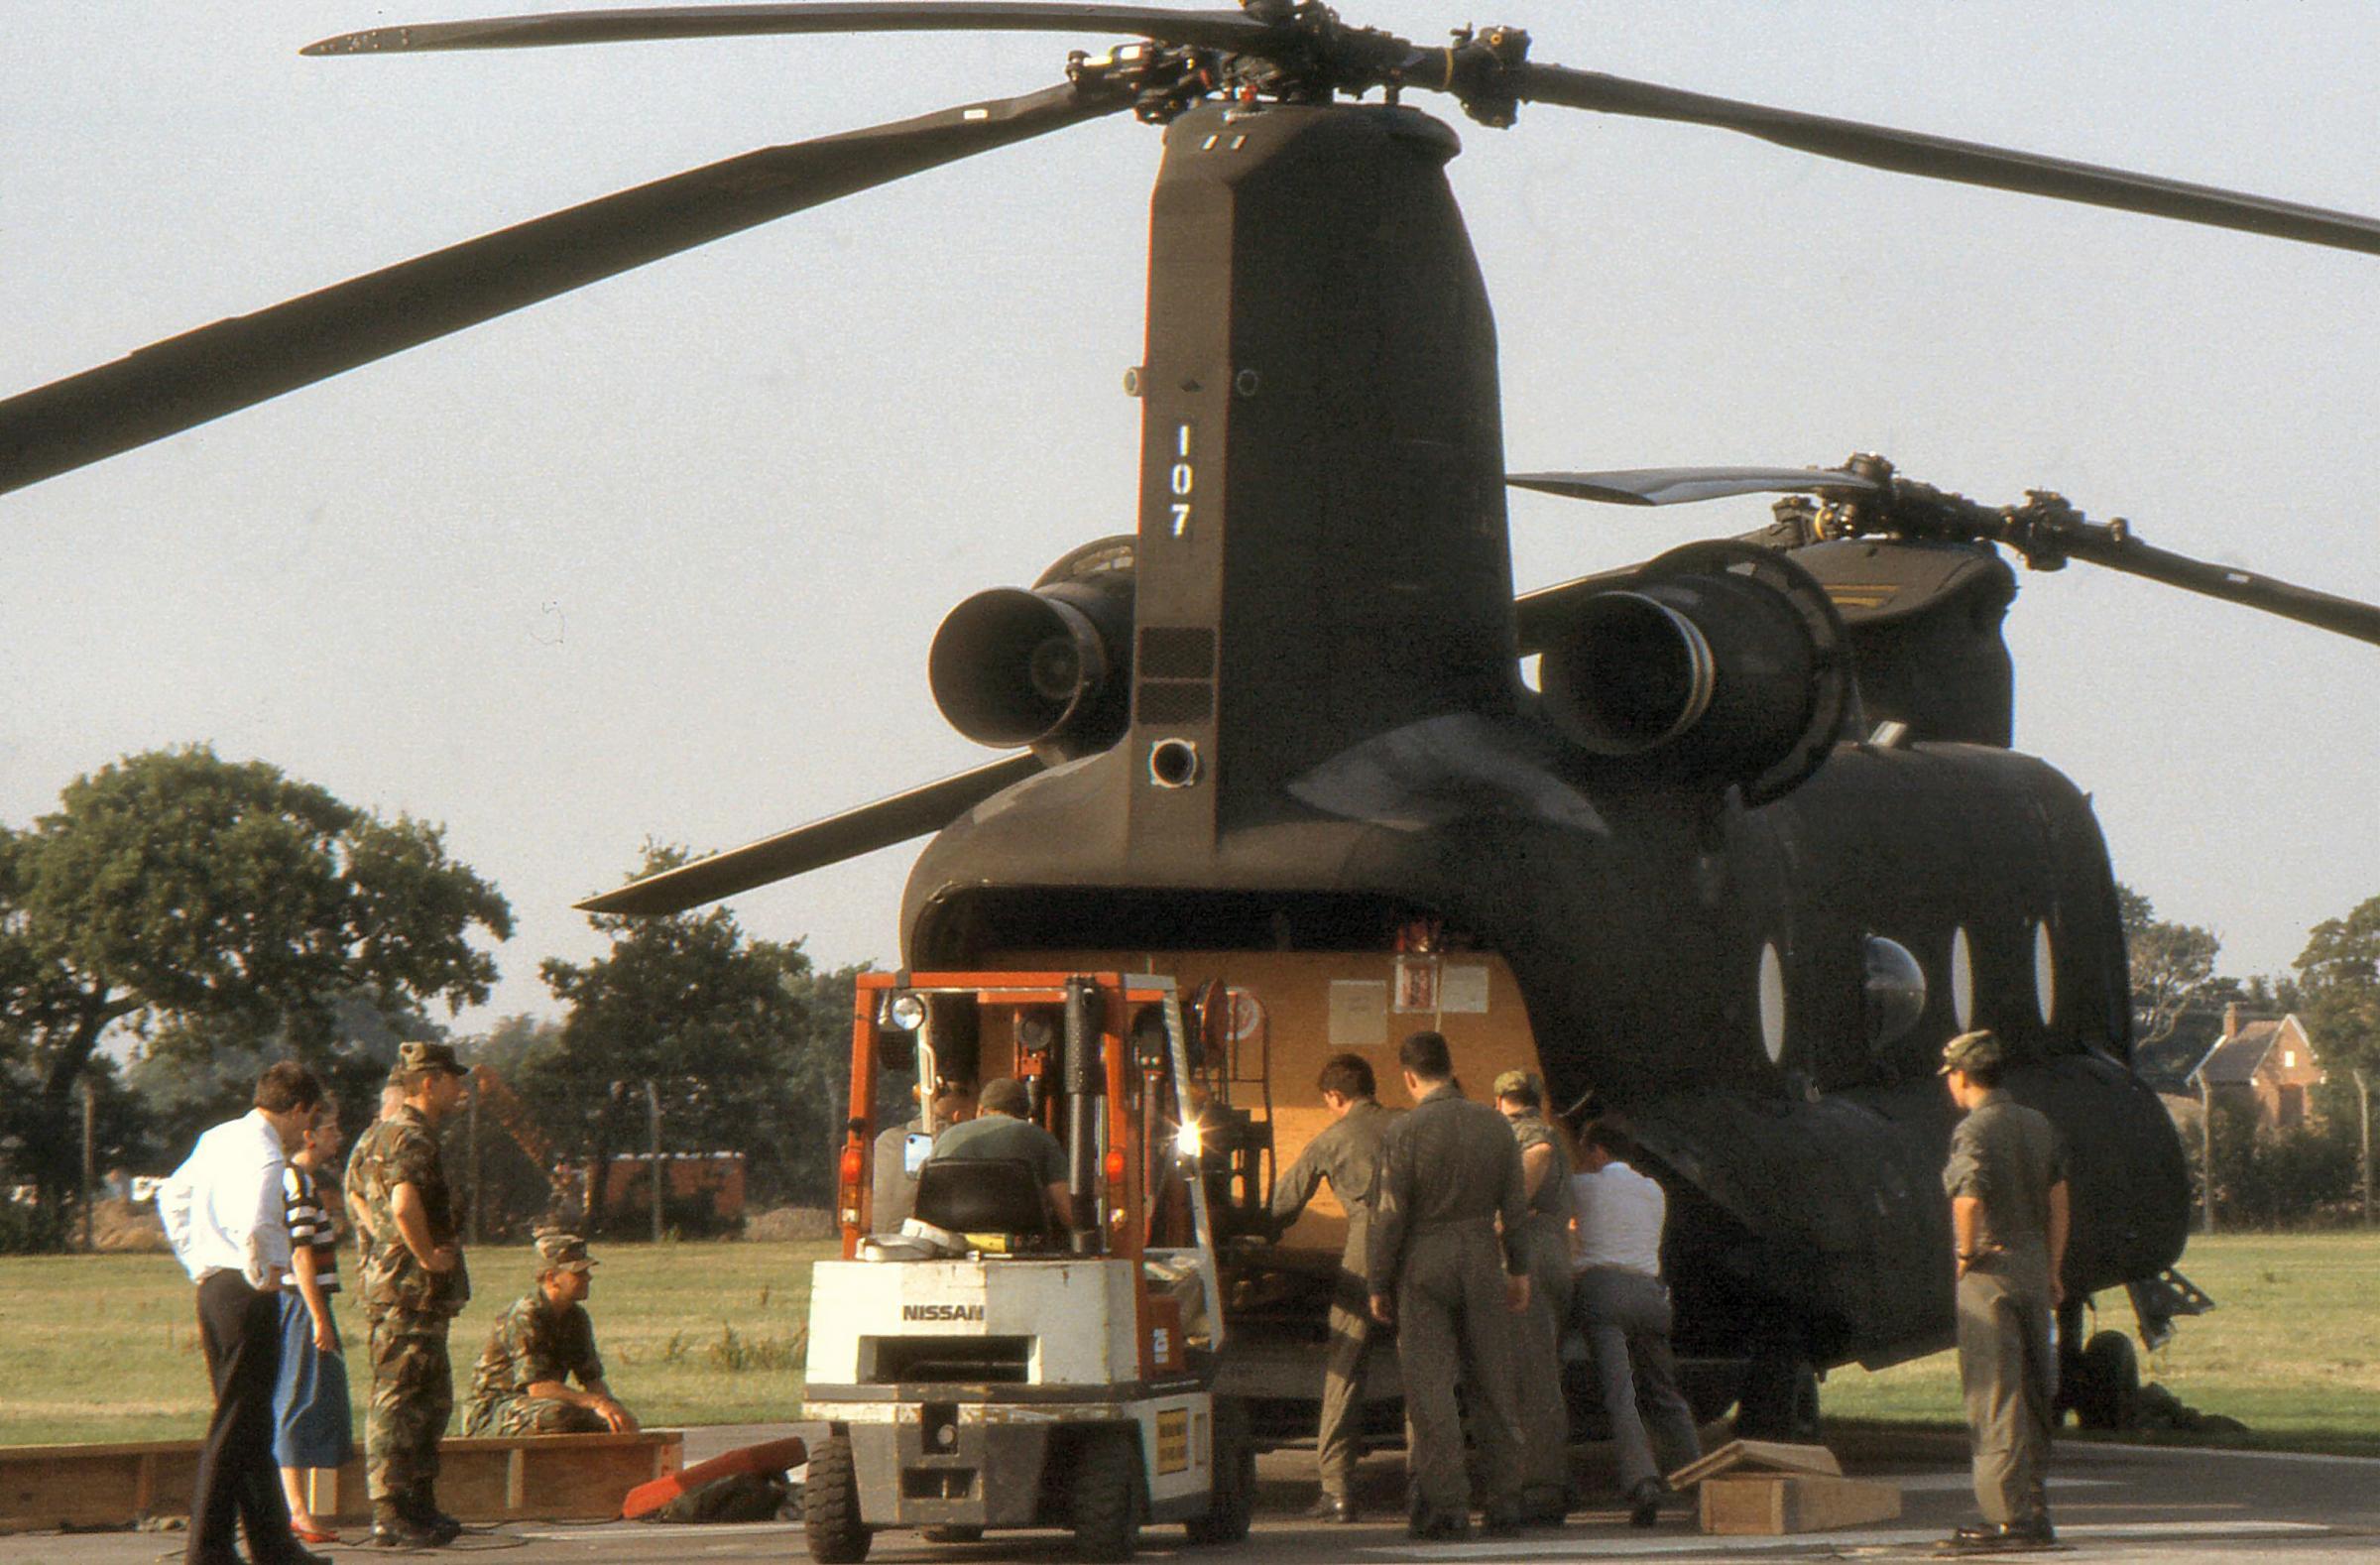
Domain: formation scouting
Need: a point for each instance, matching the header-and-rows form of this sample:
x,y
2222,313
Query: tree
x,y
201,901
2271,992
2338,976
2172,963
195,1070
745,1044
124,1136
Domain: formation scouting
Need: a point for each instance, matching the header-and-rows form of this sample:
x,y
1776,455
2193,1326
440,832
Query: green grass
x,y
104,1347
2291,1350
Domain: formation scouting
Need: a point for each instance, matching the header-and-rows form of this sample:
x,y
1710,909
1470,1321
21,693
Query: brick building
x,y
2270,1062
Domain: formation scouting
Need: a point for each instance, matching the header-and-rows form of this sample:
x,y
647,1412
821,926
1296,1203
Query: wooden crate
x,y
1773,1503
578,1478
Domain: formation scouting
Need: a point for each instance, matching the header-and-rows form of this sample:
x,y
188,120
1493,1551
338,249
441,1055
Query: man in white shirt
x,y
222,1211
1621,1306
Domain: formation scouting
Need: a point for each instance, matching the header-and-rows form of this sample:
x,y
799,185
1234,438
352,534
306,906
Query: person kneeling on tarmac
x,y
521,1384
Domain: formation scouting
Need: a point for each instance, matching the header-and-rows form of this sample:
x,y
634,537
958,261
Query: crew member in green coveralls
x,y
522,1384
413,1284
2009,1210
1345,1156
999,1129
1537,1359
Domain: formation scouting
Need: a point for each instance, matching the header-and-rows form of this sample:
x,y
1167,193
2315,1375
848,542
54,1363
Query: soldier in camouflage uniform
x,y
1544,1415
521,1384
412,1286
1345,1156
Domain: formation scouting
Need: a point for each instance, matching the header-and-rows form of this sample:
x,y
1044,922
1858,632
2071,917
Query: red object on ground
x,y
769,1456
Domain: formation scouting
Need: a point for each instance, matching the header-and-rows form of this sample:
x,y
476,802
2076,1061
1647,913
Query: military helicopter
x,y
1749,850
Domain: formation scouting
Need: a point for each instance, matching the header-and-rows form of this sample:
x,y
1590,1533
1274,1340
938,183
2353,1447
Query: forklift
x,y
984,1364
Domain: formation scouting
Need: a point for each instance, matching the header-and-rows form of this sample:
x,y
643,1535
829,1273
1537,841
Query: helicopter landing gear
x,y
2098,1376
1778,1401
2101,1383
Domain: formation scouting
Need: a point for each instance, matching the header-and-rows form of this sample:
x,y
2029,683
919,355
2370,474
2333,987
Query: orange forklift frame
x,y
1126,1165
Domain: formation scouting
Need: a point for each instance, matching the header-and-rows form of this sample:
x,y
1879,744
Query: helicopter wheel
x,y
2106,1388
1778,1401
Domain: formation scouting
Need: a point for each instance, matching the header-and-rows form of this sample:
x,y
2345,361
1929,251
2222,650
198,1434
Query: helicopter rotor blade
x,y
2045,531
816,845
1676,486
649,22
201,375
1943,158
1199,29
2048,533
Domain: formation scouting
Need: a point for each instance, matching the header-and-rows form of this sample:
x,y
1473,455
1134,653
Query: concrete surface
x,y
2111,1502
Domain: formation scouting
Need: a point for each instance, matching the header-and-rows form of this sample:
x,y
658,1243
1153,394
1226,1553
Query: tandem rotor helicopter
x,y
1751,847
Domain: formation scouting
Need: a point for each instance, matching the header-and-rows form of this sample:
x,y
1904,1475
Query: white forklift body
x,y
1053,1380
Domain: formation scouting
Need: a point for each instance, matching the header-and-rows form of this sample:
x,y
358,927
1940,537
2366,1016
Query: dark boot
x,y
392,1529
423,1510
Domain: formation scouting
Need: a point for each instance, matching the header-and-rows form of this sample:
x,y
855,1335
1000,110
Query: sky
x,y
663,557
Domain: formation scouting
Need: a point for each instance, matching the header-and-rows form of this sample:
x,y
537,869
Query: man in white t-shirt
x,y
1621,1306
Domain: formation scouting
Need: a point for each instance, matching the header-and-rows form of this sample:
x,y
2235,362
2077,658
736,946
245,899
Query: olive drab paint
x,y
1329,741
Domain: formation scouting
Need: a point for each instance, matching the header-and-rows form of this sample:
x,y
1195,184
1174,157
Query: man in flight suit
x,y
1537,1365
1346,1156
2006,1180
1443,1276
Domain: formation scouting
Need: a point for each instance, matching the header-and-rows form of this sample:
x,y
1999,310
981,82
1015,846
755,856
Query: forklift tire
x,y
1232,1503
830,1505
1106,1511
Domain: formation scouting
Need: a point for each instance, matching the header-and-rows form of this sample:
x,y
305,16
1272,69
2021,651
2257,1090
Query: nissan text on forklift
x,y
986,1365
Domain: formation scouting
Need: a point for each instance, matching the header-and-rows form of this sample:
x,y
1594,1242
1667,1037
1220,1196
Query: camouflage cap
x,y
1517,1084
559,1251
1979,1050
428,1056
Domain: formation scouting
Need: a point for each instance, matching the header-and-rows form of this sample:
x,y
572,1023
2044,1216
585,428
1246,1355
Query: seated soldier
x,y
520,1385
1000,1129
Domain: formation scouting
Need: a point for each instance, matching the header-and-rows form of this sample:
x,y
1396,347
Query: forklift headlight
x,y
1036,1030
906,1010
1189,1142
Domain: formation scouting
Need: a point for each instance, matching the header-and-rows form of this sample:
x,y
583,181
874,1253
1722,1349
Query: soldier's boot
x,y
394,1529
422,1507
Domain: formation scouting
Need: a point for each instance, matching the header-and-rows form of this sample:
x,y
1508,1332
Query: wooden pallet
x,y
480,1478
1769,1504
1759,1488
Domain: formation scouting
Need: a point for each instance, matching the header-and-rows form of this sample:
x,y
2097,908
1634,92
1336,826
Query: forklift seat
x,y
983,1195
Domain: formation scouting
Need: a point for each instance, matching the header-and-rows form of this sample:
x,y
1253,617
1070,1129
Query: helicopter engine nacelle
x,y
1720,662
1049,668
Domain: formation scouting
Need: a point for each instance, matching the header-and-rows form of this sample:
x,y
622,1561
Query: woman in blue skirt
x,y
314,1426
